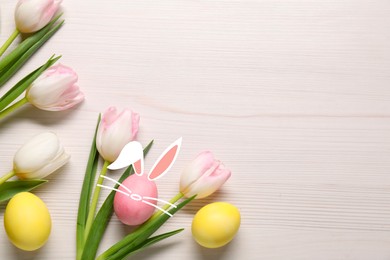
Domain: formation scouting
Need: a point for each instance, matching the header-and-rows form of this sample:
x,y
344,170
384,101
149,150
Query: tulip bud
x,y
33,15
55,89
39,157
115,131
203,176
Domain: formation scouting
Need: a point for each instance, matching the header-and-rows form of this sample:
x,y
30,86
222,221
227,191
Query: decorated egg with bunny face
x,y
132,208
136,198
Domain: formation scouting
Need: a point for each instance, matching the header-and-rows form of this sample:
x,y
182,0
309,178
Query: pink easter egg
x,y
130,209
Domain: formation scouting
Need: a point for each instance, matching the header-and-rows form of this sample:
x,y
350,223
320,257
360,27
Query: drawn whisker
x,y
157,207
111,188
160,200
120,184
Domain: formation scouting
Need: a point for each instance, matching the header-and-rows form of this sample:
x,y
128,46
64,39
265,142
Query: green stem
x,y
7,176
95,199
147,223
13,107
9,42
166,206
132,241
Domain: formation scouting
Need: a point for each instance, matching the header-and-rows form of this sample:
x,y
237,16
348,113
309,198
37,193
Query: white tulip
x,y
39,157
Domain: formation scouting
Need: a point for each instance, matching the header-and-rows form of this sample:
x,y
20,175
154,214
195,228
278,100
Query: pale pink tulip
x,y
33,15
203,176
55,89
115,130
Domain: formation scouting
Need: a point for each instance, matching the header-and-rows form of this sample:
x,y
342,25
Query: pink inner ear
x,y
164,163
137,167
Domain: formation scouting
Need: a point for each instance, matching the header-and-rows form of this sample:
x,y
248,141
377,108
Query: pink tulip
x,y
55,89
203,176
115,130
33,15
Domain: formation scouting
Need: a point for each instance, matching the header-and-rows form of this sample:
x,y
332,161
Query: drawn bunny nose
x,y
136,197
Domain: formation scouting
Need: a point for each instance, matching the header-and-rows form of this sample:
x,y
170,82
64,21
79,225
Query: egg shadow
x,y
125,229
212,253
30,255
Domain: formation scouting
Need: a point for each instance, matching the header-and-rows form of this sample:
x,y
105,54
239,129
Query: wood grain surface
x,y
292,95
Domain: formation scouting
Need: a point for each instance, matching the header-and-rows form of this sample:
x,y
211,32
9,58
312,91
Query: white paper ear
x,y
132,153
165,161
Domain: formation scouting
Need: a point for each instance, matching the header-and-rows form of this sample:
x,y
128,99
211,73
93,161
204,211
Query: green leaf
x,y
132,241
26,44
9,188
103,217
85,195
15,64
23,84
153,240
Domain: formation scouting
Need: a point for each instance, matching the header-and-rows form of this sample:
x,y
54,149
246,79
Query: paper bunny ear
x,y
165,161
131,153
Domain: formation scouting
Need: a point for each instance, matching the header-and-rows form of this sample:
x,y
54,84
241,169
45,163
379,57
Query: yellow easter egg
x,y
27,221
216,224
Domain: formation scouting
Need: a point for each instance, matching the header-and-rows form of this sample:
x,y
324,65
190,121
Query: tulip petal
x,y
203,176
115,131
207,185
39,157
197,167
33,15
47,169
55,89
36,152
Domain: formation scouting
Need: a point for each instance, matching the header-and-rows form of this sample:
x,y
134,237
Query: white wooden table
x,y
293,96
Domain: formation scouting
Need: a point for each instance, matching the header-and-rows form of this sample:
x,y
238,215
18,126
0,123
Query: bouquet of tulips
x,y
134,196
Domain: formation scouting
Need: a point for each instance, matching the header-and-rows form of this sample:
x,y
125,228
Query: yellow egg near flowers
x,y
216,224
27,221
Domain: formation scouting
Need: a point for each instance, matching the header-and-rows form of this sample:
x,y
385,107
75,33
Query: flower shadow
x,y
197,204
14,116
42,117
